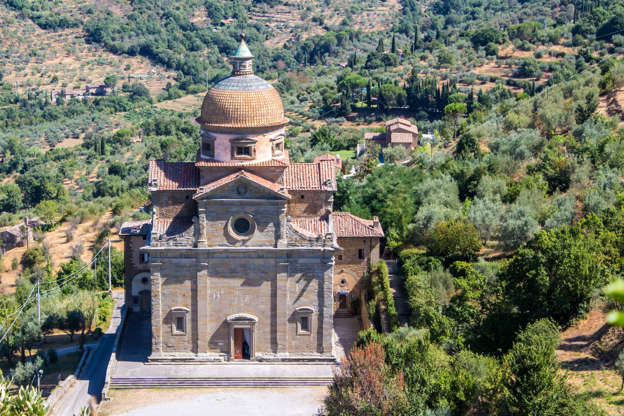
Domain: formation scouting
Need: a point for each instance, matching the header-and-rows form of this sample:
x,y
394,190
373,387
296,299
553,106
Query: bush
x,y
454,240
24,374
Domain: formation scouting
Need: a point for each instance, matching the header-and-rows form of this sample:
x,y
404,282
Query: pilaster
x,y
202,309
282,302
157,318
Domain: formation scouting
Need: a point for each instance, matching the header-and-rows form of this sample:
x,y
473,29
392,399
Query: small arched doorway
x,y
141,293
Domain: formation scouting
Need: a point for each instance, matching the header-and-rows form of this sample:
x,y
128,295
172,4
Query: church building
x,y
244,258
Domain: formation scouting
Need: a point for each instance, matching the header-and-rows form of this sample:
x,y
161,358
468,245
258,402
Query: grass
x,y
602,388
345,154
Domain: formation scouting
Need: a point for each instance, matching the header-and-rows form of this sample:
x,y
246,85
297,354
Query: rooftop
x,y
311,176
172,176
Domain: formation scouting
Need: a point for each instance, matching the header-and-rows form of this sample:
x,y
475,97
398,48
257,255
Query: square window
x,y
179,324
243,150
305,324
361,253
135,300
339,256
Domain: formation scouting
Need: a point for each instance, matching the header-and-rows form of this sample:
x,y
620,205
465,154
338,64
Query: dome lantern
x,y
242,59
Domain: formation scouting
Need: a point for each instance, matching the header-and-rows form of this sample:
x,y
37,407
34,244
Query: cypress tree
x,y
369,97
380,46
393,48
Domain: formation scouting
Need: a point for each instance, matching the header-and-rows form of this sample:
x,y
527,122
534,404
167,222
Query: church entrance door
x,y
342,298
239,338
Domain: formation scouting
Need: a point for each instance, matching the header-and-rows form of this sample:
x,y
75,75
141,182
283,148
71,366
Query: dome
x,y
242,100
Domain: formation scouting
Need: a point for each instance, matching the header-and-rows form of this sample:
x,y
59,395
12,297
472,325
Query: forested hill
x,y
506,219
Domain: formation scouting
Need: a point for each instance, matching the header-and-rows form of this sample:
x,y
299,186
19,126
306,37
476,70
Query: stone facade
x,y
242,245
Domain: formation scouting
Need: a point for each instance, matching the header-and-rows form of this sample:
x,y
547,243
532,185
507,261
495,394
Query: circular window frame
x,y
242,236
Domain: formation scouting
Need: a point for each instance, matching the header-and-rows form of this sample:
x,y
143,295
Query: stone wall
x,y
309,203
270,284
211,174
349,268
171,204
132,262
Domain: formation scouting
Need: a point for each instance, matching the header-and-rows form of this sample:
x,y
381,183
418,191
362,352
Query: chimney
x,y
376,222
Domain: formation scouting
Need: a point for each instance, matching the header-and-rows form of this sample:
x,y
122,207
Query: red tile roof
x,y
311,226
398,120
275,187
172,176
283,162
345,225
335,159
348,225
311,176
401,137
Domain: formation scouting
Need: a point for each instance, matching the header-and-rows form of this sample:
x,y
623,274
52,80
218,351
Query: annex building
x,y
244,258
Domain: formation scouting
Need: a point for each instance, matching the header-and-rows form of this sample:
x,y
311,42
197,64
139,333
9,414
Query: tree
x,y
25,402
584,112
486,214
533,365
74,321
454,240
48,211
32,257
393,48
454,111
365,384
10,198
380,46
111,81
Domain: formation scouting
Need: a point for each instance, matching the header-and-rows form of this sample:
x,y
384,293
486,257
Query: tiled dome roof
x,y
242,100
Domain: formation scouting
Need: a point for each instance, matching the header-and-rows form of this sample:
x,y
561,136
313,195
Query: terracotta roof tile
x,y
349,225
311,226
371,135
275,187
401,137
283,162
335,159
172,176
311,176
398,120
172,226
135,227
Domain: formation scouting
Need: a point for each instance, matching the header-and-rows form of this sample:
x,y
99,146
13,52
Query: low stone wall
x,y
112,363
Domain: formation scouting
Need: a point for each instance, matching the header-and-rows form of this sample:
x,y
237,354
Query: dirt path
x,y
586,354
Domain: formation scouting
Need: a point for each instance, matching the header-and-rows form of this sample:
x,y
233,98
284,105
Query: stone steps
x,y
194,382
343,314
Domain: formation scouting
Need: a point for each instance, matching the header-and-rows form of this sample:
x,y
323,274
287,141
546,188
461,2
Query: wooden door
x,y
238,343
343,301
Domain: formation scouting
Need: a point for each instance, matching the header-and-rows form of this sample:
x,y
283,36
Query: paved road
x,y
302,401
91,380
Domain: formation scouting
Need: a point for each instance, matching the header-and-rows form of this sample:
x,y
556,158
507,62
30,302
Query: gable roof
x,y
398,120
319,176
264,183
401,124
349,225
172,176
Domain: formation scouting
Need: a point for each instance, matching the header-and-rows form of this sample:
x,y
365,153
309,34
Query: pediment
x,y
241,185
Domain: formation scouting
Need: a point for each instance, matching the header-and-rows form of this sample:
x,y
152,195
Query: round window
x,y
343,282
242,225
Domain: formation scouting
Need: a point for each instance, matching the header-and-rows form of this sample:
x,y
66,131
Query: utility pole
x,y
95,273
38,302
110,289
